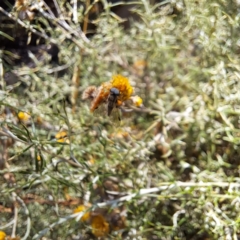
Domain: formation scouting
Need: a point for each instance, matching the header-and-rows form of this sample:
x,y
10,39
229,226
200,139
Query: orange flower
x,y
2,235
100,227
86,215
122,84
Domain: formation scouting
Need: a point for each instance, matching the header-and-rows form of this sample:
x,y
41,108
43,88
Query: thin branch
x,y
28,27
7,225
75,16
141,192
27,214
65,26
8,133
13,235
60,221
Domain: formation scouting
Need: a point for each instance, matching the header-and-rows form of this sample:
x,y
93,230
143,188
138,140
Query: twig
x,y
60,221
165,186
85,21
175,217
75,83
65,26
28,218
75,16
29,27
1,72
7,225
7,133
141,192
15,216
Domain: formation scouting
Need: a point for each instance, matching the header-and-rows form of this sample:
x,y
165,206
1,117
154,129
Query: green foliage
x,y
175,162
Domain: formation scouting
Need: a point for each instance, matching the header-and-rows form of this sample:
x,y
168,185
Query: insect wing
x,y
102,112
116,115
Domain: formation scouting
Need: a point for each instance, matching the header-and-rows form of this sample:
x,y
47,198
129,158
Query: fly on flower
x,y
110,96
112,100
110,107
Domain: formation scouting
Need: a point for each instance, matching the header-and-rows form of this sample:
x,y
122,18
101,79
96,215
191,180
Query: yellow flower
x,y
23,116
100,227
2,235
140,64
120,135
62,137
86,215
137,101
91,161
122,84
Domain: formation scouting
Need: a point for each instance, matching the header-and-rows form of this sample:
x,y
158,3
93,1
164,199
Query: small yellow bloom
x,y
137,101
120,134
86,215
140,64
2,235
39,120
91,161
39,157
122,84
62,137
23,116
100,227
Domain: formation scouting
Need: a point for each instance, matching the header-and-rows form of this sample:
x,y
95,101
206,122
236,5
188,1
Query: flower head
x,y
122,84
62,137
2,235
140,64
102,94
39,157
89,93
100,227
23,116
137,101
86,215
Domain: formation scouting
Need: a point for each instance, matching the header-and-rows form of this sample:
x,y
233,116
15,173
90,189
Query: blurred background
x,y
169,169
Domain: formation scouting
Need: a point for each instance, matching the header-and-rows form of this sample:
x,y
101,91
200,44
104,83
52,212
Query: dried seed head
x,y
89,93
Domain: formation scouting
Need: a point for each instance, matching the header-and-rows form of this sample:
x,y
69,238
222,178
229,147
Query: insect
x,y
100,95
112,100
113,95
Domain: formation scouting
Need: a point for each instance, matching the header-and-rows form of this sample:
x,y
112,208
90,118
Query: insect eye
x,y
115,91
